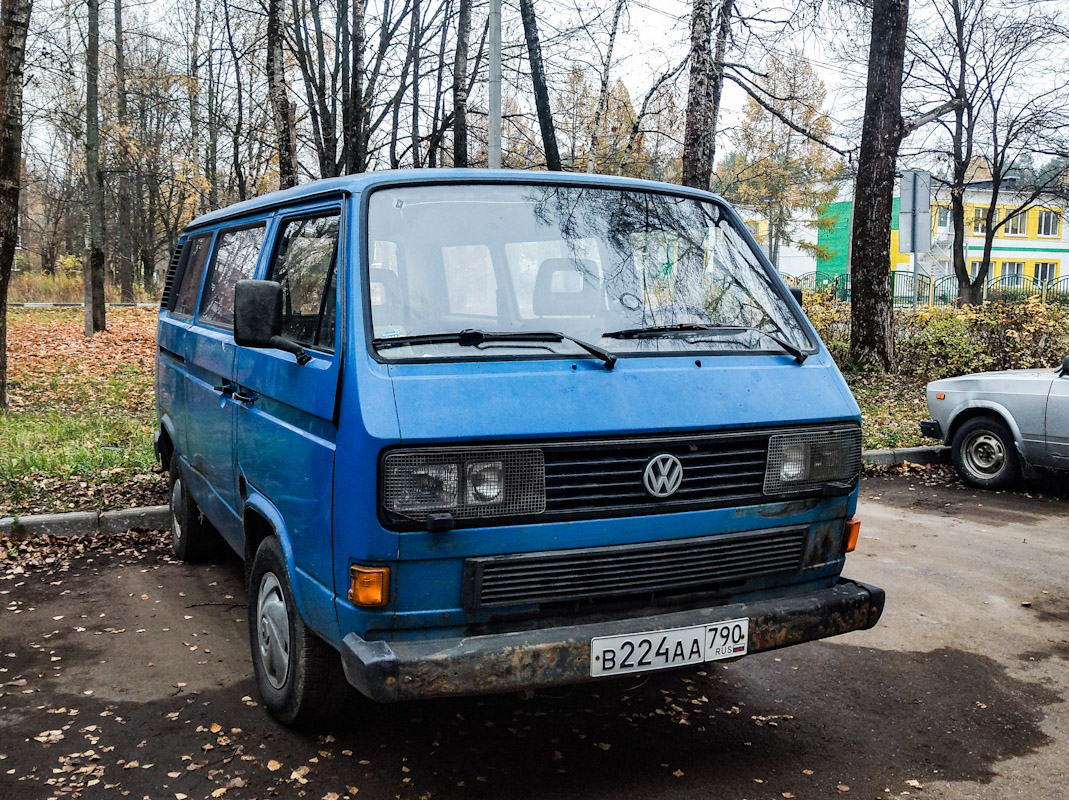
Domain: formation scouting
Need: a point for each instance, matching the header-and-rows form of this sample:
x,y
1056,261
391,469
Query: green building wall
x,y
833,235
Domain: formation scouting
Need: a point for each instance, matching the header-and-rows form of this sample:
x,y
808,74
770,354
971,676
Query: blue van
x,y
482,431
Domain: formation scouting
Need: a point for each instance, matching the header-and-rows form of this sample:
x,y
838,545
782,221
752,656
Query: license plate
x,y
677,647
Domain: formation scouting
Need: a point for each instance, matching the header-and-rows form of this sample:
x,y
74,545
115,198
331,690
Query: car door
x,y
285,419
1058,421
209,430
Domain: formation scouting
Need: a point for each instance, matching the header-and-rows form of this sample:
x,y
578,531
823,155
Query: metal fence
x,y
908,291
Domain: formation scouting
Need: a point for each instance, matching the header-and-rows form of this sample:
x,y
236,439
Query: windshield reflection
x,y
580,261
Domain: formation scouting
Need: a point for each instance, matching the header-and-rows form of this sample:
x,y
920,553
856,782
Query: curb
x,y
938,454
86,523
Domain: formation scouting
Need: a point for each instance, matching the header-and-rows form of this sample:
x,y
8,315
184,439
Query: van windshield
x,y
631,272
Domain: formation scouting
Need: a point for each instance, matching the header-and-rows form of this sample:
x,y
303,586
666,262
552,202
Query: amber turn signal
x,y
369,587
853,528
940,396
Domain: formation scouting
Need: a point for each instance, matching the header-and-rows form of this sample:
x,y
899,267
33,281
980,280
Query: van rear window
x,y
235,258
196,257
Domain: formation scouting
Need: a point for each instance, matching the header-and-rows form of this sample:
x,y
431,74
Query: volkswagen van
x,y
480,431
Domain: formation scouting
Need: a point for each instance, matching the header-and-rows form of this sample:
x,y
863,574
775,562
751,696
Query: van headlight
x,y
805,460
467,483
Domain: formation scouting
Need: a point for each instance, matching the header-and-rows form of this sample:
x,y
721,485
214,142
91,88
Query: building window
x,y
1046,271
1017,225
942,218
974,267
1012,273
1050,223
979,220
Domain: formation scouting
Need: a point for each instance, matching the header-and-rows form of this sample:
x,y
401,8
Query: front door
x,y
285,411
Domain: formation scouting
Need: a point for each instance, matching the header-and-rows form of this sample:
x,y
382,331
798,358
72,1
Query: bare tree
x,y
93,268
603,91
124,250
460,86
285,126
541,90
999,68
14,23
706,87
871,340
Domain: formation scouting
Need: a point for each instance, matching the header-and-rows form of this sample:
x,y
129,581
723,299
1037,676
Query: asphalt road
x,y
123,673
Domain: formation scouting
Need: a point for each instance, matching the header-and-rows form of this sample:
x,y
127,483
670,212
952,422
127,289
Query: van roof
x,y
355,184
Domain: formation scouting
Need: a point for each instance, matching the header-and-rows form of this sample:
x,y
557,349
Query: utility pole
x,y
495,85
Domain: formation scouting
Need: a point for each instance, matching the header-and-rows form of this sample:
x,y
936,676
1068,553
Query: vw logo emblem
x,y
663,475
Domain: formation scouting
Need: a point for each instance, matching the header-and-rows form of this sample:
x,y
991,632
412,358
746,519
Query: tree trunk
x,y
356,118
706,87
14,22
235,133
418,38
699,133
281,112
541,90
460,86
93,268
124,244
193,95
871,307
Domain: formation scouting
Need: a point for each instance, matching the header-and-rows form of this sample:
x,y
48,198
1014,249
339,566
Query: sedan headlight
x,y
806,460
466,483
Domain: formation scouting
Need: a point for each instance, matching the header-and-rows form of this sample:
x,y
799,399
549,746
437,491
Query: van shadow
x,y
802,721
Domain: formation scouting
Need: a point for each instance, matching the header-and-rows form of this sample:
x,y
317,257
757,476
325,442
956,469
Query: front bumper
x,y
388,672
931,429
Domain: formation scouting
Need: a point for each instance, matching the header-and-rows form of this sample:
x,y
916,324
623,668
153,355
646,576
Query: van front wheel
x,y
299,675
192,536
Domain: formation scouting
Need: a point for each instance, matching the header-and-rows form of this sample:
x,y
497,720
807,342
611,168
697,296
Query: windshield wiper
x,y
698,327
473,337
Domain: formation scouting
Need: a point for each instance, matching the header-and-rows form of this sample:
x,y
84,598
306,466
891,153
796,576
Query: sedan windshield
x,y
631,272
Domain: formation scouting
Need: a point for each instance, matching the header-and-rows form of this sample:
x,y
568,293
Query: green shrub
x,y
942,342
934,343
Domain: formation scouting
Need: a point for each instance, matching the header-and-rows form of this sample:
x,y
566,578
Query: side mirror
x,y
258,318
1064,372
796,293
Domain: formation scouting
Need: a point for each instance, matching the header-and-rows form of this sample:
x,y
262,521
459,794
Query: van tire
x,y
299,676
985,454
193,537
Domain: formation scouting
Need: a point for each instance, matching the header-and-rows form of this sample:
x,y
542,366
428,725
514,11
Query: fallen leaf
x,y
273,765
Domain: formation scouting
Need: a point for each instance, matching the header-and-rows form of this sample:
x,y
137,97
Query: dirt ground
x,y
124,673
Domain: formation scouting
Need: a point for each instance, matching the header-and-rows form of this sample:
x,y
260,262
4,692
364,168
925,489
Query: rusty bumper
x,y
388,672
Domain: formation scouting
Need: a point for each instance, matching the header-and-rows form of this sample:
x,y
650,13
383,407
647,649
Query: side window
x,y
304,265
235,259
196,257
470,282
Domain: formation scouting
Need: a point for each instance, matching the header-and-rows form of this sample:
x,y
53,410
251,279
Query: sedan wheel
x,y
985,455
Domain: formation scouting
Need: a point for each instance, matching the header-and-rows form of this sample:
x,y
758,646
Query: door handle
x,y
225,388
241,397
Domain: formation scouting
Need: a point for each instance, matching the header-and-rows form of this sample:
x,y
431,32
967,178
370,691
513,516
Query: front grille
x,y
606,477
701,564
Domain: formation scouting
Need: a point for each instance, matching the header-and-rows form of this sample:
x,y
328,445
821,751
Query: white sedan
x,y
1002,425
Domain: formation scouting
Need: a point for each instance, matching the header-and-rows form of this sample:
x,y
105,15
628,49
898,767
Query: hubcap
x,y
985,455
176,523
273,630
